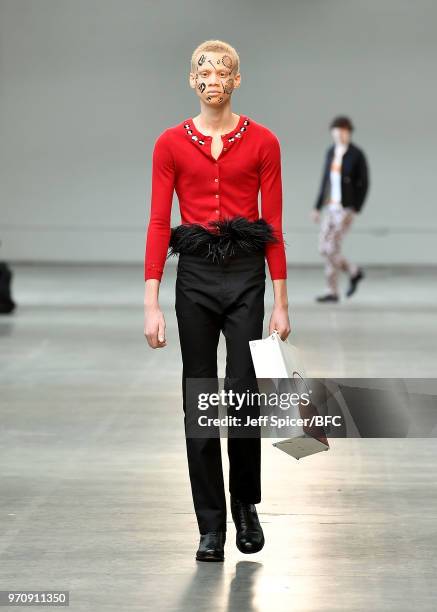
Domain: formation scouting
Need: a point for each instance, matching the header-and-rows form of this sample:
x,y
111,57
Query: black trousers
x,y
214,297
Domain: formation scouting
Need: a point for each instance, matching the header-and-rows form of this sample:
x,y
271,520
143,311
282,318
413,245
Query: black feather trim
x,y
222,238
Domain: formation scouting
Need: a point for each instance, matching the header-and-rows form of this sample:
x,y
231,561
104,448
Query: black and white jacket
x,y
354,178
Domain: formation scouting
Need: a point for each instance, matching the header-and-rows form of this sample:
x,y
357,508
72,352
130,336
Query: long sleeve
x,y
362,185
271,204
319,201
158,232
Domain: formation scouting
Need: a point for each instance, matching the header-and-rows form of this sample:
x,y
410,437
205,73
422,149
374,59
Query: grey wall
x,y
87,85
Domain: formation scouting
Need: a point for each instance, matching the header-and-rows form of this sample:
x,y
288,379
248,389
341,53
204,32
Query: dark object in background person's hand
x,y
7,304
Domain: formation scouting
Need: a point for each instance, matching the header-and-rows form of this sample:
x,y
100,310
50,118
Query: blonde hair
x,y
216,46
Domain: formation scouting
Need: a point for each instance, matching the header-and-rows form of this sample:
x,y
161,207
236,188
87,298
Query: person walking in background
x,y
343,190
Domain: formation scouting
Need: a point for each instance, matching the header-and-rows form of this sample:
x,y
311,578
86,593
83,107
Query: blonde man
x,y
217,162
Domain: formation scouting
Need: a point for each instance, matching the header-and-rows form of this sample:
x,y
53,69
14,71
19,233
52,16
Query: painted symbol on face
x,y
228,86
220,99
227,61
201,60
201,87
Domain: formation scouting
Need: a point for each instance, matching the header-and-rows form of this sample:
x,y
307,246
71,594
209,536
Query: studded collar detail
x,y
229,138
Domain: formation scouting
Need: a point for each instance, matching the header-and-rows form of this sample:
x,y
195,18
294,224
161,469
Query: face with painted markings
x,y
215,77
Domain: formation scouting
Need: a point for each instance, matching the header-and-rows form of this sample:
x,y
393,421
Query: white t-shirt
x,y
335,174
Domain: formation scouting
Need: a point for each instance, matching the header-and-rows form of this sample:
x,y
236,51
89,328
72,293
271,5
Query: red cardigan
x,y
210,189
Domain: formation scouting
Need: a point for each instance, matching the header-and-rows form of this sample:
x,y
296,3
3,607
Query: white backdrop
x,y
87,86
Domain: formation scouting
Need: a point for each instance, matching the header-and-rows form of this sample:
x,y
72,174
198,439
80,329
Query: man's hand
x,y
154,326
280,321
315,215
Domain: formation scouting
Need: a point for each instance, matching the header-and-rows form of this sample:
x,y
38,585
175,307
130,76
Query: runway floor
x,y
94,489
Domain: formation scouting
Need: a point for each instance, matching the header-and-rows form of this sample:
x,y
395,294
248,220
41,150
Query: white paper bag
x,y
276,359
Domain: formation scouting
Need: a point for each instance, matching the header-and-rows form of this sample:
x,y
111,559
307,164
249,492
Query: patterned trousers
x,y
335,223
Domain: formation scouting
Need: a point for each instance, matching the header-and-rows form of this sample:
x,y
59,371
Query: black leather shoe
x,y
329,297
353,282
211,546
250,537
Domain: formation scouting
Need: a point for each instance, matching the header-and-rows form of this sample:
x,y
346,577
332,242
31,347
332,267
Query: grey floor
x,y
95,493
